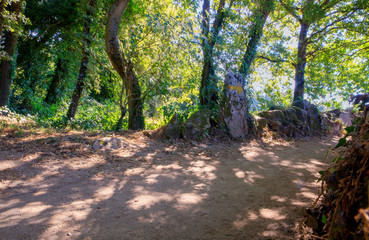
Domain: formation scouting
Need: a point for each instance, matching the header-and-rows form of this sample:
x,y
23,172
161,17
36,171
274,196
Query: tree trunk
x,y
256,32
123,110
52,93
208,88
124,66
2,8
6,66
298,96
86,42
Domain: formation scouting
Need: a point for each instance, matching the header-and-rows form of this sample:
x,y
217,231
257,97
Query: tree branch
x,y
290,10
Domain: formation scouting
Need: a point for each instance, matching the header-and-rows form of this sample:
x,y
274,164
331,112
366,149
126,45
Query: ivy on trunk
x,y
124,66
86,42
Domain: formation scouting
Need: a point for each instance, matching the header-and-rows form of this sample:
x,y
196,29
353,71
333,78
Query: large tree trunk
x,y
2,8
256,32
6,66
298,96
52,92
86,42
124,66
208,88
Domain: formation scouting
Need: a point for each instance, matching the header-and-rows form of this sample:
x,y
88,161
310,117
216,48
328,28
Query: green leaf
x,y
341,142
350,129
324,219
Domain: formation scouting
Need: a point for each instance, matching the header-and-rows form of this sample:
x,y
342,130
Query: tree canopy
x,y
87,63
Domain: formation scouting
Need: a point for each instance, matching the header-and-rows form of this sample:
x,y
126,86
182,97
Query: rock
x,y
174,129
345,118
275,107
234,108
106,143
273,115
261,122
313,120
275,118
334,113
292,131
296,122
197,125
291,115
146,133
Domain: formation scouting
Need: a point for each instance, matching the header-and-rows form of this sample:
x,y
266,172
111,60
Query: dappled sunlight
x,y
225,190
203,170
134,171
307,194
173,166
146,198
274,214
247,176
146,201
303,185
187,200
278,199
9,163
242,221
105,192
297,203
22,213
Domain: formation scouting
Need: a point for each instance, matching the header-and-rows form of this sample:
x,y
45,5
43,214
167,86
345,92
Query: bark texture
x,y
298,95
124,66
256,32
208,88
52,92
2,7
6,65
86,42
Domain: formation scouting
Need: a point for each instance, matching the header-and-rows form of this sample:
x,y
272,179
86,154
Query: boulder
x,y
197,125
297,121
261,122
345,118
273,115
275,107
174,129
107,143
234,108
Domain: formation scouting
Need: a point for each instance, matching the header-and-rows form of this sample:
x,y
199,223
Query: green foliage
x,y
163,41
91,115
349,130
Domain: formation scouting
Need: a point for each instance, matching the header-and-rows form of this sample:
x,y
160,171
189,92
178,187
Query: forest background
x,y
115,64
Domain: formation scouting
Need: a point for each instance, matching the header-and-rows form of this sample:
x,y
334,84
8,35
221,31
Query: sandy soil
x,y
54,186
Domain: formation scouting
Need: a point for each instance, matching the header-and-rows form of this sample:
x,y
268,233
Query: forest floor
x,y
54,186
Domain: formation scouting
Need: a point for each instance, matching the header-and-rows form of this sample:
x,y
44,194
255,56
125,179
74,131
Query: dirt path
x,y
56,187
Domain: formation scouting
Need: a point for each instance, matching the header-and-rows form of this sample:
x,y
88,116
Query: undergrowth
x,y
93,115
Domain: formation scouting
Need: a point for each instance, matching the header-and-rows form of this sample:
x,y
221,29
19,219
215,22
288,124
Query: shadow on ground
x,y
61,189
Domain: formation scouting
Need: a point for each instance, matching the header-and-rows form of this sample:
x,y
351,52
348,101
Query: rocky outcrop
x,y
174,129
194,128
295,121
345,116
197,125
260,122
234,108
